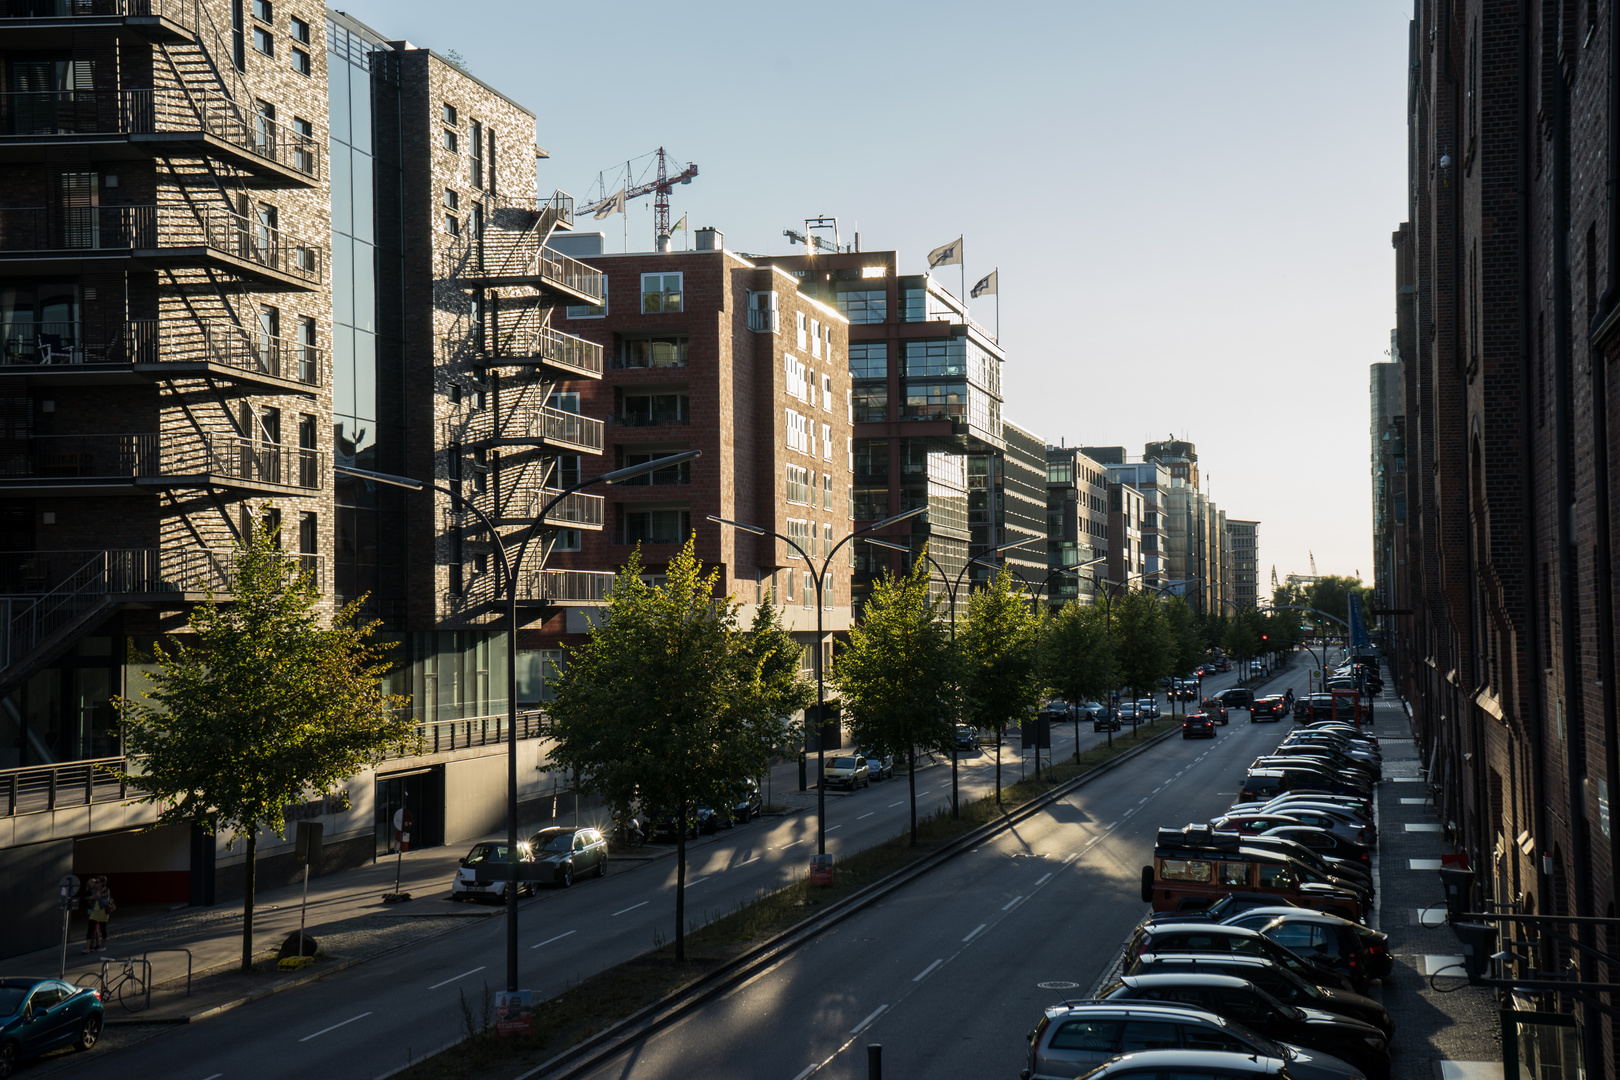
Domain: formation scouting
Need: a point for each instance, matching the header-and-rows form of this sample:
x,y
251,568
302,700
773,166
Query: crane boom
x,y
660,186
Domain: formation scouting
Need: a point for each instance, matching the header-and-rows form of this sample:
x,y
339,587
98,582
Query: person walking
x,y
100,908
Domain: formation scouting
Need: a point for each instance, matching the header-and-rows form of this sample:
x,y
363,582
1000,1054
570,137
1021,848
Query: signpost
x,y
67,898
821,869
514,1012
403,820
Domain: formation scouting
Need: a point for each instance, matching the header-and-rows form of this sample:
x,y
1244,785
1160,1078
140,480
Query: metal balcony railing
x,y
120,228
183,12
156,456
28,115
565,586
150,341
83,457
577,508
496,253
42,788
542,424
763,322
520,343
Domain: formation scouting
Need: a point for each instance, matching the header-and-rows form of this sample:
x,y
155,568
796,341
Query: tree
x,y
1077,658
1186,643
669,704
898,676
1141,641
1331,595
998,652
1241,640
266,708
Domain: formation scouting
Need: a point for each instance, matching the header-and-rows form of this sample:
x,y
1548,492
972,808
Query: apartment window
x,y
799,328
476,146
653,352
660,293
264,11
673,474
304,259
269,339
303,144
452,201
826,493
492,161
308,543
826,442
449,114
450,143
826,337
809,589
308,473
452,225
798,432
298,29
588,311
797,380
651,410
238,42
864,307
815,338
798,486
567,540
300,61
656,526
826,393
264,128
869,360
788,595
264,41
265,231
306,349
567,472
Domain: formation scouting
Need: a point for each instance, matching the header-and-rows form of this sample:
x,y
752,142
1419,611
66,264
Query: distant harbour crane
x,y
659,186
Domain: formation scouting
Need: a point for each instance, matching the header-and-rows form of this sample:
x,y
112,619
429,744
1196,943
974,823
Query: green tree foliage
x,y
264,706
1077,656
1242,638
1331,595
999,657
1186,641
669,703
898,676
1141,641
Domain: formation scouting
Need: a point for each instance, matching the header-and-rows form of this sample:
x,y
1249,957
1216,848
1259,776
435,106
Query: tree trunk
x,y
680,884
1001,730
911,770
247,900
1076,710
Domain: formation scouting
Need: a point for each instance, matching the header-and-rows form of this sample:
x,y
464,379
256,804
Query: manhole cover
x,y
1057,984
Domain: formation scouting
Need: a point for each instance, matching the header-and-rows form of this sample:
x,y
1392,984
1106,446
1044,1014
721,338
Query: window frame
x,y
663,293
264,41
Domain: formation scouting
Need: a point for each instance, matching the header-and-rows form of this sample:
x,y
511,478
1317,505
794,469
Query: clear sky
x,y
1190,203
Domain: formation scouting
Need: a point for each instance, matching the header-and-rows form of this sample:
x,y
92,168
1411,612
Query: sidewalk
x,y
1452,1033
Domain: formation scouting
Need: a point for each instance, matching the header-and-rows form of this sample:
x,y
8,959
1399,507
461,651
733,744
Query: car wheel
x,y
567,878
88,1033
601,868
8,1059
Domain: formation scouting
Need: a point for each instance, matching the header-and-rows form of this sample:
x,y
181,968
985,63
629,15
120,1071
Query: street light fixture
x,y
821,678
951,594
509,574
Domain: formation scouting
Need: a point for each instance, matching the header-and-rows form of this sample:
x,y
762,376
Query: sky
x,y
1189,203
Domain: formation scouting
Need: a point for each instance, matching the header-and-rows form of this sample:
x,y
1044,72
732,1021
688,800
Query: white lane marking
x,y
830,828
1110,826
863,817
334,1027
549,940
927,971
1044,880
808,1069
1011,902
795,843
632,907
745,862
860,1027
1142,800
974,934
924,791
216,1076
1073,855
453,978
697,881
892,805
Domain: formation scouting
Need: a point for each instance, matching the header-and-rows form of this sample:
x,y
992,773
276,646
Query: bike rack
x,y
149,952
146,965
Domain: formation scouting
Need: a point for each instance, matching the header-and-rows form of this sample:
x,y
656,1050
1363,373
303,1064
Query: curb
x,y
593,1050
257,995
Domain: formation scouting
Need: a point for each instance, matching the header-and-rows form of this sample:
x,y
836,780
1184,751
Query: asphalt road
x,y
950,973
374,1018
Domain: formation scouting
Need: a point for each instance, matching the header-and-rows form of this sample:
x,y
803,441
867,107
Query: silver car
x,y
483,872
878,766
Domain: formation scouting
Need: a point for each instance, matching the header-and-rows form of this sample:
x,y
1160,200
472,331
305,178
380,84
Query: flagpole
x,y
997,272
961,265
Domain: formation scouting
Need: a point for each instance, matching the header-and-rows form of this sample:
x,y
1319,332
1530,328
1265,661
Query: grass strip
x,y
609,996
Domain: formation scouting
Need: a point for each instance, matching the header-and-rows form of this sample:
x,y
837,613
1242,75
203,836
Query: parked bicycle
x,y
129,983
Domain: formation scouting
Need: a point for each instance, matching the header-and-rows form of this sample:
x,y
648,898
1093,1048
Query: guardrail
x,y
553,346
153,455
436,736
40,788
578,508
565,586
150,341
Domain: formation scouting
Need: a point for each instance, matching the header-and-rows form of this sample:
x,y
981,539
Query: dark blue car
x,y
41,1015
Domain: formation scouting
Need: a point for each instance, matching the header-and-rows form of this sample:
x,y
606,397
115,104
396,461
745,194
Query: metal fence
x,y
151,455
41,788
26,343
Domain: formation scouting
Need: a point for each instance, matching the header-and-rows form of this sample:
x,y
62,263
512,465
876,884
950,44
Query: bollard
x,y
804,773
874,1061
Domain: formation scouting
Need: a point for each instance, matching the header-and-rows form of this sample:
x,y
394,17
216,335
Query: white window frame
x,y
826,442
826,393
794,372
798,432
590,311
798,319
815,338
663,293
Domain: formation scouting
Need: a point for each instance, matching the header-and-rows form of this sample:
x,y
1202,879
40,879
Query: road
x,y
374,1018
952,971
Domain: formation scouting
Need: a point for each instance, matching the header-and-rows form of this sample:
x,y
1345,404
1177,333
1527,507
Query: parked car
x,y
1361,1044
41,1015
1199,1064
1287,986
1226,940
1357,952
561,854
1074,1037
848,772
1198,726
878,766
1233,903
1213,706
740,808
483,875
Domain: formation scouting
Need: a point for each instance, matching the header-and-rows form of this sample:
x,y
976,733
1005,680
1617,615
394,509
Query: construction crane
x,y
1273,577
1312,554
659,186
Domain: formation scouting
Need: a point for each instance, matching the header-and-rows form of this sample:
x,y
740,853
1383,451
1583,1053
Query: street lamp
x,y
509,573
951,589
821,678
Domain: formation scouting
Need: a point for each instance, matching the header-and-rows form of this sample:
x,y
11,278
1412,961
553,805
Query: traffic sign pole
x,y
67,893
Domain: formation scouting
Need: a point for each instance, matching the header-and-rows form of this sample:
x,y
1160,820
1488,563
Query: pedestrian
x,y
100,909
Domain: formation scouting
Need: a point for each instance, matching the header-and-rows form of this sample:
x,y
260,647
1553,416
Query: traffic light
x,y
1262,637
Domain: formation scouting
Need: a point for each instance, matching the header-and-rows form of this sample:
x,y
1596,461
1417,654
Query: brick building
x,y
1508,327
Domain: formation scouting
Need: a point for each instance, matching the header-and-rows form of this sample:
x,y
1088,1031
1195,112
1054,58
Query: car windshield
x,y
560,842
843,763
485,853
11,999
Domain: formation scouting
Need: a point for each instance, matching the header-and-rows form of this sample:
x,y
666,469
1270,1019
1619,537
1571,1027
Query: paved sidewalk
x,y
1445,1029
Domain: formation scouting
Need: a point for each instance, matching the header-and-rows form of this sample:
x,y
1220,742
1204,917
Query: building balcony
x,y
564,588
500,257
763,322
43,240
520,346
141,124
521,503
127,464
531,426
155,20
184,573
146,349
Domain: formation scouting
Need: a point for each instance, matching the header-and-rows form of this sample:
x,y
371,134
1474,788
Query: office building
x,y
1076,522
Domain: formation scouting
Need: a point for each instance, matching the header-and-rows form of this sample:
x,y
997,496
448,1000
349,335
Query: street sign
x,y
68,886
821,870
514,1012
402,828
68,903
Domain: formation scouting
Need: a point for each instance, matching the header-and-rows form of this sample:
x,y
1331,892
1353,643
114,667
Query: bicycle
x,y
128,984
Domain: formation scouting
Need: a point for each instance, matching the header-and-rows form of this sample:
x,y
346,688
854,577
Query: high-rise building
x,y
1076,522
1243,545
1006,504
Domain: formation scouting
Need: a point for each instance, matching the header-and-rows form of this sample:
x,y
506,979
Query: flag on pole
x,y
986,285
678,226
946,255
614,205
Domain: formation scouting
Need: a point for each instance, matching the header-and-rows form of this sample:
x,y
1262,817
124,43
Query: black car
x,y
563,854
1271,708
1198,726
1359,1043
1222,910
1326,843
1225,940
1357,952
967,740
1282,984
1237,697
1106,720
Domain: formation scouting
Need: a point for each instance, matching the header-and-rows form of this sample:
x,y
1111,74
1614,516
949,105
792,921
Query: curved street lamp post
x,y
509,576
821,679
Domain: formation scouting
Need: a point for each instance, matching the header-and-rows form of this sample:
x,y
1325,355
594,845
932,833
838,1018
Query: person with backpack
x,y
99,909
